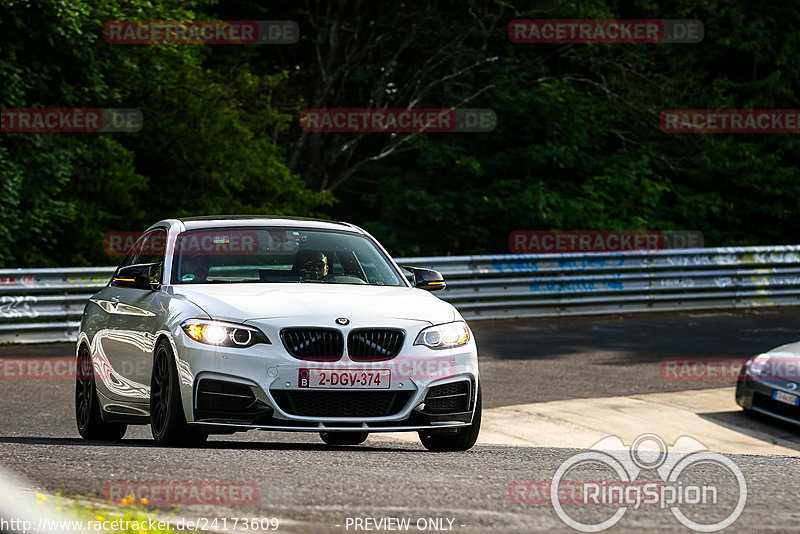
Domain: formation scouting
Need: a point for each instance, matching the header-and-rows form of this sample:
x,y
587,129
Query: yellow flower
x,y
100,518
43,497
145,501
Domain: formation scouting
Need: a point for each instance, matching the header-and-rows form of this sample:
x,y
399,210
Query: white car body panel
x,y
121,326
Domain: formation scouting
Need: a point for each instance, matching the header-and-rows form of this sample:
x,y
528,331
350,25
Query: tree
x,y
203,148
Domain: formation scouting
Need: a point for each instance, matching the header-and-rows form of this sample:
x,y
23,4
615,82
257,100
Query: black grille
x,y
318,344
341,403
778,408
374,344
220,401
220,395
451,397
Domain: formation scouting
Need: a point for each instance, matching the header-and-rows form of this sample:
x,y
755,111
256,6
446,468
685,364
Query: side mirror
x,y
141,276
427,279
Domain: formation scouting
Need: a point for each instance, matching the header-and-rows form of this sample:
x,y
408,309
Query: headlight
x,y
223,334
759,366
444,336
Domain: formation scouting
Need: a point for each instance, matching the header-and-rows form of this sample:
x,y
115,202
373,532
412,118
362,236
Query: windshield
x,y
279,255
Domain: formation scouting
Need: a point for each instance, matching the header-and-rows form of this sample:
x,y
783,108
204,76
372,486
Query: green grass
x,y
126,517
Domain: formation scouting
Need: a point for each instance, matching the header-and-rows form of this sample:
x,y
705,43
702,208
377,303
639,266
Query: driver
x,y
311,264
195,268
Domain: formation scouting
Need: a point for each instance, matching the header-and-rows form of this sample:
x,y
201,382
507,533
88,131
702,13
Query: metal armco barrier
x,y
38,305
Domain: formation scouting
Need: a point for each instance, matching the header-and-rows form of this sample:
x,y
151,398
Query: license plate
x,y
788,398
342,379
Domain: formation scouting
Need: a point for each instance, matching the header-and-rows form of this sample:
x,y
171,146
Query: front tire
x,y
167,422
344,438
87,406
462,439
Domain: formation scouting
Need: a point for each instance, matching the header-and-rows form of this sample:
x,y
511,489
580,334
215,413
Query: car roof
x,y
217,221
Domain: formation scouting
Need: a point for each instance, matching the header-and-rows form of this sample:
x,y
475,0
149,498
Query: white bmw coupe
x,y
215,325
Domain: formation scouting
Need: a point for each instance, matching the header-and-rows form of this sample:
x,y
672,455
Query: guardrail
x,y
42,305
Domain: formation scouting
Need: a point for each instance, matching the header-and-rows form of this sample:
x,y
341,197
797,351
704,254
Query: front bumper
x,y
228,390
756,394
407,426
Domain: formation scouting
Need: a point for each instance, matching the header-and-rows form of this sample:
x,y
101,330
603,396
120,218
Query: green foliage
x,y
577,144
206,146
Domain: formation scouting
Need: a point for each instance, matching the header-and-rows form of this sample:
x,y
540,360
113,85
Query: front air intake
x,y
341,403
453,397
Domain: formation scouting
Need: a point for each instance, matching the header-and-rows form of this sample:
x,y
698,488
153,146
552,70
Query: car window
x,y
152,246
280,255
149,248
129,257
152,251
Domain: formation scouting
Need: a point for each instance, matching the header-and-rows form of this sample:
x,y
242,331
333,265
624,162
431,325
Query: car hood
x,y
242,302
783,364
788,350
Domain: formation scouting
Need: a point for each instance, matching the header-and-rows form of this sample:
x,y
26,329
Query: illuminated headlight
x,y
223,334
444,336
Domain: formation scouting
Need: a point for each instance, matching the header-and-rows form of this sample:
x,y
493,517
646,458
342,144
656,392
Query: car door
x,y
134,316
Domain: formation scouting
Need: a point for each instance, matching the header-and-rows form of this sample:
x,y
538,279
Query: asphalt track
x,y
551,388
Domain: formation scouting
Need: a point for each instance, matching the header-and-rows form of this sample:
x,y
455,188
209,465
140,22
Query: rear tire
x,y
462,439
87,407
167,422
344,438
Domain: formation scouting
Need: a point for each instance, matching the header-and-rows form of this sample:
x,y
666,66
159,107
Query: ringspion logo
x,y
704,490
